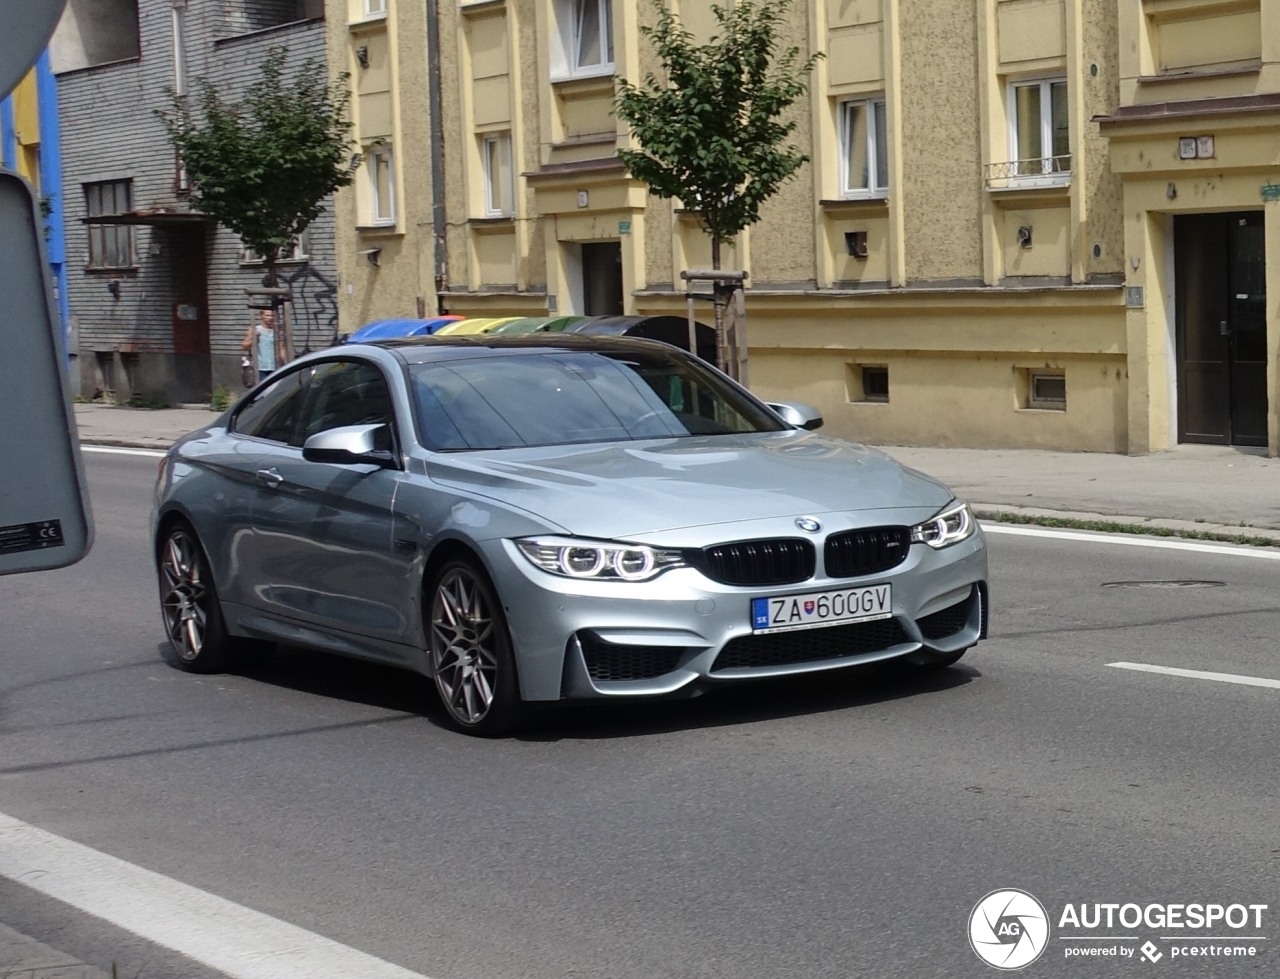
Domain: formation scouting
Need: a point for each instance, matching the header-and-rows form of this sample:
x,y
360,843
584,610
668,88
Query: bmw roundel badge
x,y
810,525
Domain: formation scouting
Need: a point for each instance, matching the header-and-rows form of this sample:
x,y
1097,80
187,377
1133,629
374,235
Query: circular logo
x,y
1009,929
809,525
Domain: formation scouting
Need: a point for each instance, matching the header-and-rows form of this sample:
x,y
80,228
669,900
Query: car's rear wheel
x,y
189,604
472,661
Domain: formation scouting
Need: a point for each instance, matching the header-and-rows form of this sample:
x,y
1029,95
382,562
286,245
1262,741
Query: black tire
x,y
190,609
469,645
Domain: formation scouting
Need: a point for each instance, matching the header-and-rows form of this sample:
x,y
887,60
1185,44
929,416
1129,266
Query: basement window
x,y
869,383
1047,390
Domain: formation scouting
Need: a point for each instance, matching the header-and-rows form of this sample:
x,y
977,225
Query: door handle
x,y
271,477
1224,328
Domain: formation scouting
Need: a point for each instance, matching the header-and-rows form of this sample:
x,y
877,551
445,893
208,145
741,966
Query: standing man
x,y
264,344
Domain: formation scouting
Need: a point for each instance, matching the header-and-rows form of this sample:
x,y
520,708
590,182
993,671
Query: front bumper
x,y
683,632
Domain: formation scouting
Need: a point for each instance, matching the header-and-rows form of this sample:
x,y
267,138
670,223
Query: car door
x,y
322,553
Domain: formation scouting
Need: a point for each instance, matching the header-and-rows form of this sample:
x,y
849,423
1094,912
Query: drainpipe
x,y
437,150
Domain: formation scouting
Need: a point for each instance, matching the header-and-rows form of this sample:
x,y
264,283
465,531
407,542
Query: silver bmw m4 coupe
x,y
552,517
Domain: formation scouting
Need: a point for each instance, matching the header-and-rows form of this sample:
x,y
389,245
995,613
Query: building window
x,y
864,159
1039,136
110,245
868,383
586,33
297,250
1047,389
375,8
382,185
498,189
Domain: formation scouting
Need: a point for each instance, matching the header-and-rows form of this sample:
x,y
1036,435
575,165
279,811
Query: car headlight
x,y
949,527
598,560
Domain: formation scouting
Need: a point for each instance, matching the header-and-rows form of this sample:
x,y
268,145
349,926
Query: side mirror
x,y
798,414
351,445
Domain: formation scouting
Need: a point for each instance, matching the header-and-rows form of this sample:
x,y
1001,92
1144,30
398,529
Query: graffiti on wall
x,y
315,309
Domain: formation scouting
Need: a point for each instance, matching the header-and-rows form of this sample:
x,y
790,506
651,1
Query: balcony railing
x,y
1048,171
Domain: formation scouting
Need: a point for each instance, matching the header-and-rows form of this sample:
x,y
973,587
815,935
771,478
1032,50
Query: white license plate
x,y
817,609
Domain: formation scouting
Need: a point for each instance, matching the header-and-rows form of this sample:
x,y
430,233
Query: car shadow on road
x,y
745,702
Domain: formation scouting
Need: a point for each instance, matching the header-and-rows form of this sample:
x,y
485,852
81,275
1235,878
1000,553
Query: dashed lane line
x,y
1247,681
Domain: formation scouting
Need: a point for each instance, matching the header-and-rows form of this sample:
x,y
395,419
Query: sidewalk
x,y
1202,488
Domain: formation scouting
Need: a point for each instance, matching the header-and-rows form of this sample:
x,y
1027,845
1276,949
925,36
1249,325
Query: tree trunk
x,y
271,280
724,361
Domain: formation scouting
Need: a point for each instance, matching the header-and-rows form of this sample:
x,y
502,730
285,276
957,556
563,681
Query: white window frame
x,y
874,106
1053,171
382,212
299,250
497,187
375,8
570,15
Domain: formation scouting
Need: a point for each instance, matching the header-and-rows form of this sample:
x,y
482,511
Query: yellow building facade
x,y
385,247
1025,223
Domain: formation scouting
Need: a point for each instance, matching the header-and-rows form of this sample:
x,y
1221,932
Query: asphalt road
x,y
844,825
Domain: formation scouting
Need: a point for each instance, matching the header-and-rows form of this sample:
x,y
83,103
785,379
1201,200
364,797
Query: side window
x,y
273,412
345,392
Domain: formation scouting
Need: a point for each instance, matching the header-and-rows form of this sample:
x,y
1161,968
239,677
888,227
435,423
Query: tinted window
x,y
566,396
316,398
273,411
340,393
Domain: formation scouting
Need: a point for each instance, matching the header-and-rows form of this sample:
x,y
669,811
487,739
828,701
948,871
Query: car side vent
x,y
777,561
870,550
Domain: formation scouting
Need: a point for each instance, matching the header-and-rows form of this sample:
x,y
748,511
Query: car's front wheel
x,y
189,604
472,661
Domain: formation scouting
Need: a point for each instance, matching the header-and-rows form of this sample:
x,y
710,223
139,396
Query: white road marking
x,y
1248,681
117,451
241,943
1128,540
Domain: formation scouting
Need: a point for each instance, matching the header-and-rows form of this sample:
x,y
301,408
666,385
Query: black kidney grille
x,y
780,561
610,661
949,621
868,551
809,645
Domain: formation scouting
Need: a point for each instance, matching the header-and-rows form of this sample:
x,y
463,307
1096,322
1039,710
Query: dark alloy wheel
x,y
191,611
471,655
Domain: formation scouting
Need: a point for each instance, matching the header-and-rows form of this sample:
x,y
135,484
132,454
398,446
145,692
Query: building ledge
x,y
1157,111
606,167
861,205
1194,74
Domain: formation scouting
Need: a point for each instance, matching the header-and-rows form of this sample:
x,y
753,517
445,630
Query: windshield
x,y
563,397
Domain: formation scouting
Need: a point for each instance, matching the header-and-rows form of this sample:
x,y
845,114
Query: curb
x,y
1126,524
22,957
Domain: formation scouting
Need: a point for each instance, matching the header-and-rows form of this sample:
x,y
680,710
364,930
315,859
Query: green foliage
x,y
710,128
262,166
220,400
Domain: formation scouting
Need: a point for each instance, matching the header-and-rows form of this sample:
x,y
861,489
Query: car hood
x,y
627,489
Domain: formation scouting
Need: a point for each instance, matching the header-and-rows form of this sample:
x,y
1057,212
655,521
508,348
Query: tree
x,y
262,166
710,125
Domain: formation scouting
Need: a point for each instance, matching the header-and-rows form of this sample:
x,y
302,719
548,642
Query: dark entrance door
x,y
602,279
188,289
1220,292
